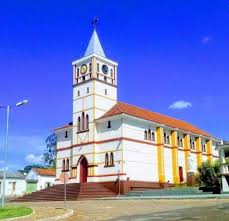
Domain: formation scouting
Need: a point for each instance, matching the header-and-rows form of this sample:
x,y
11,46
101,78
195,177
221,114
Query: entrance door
x,y
83,170
181,174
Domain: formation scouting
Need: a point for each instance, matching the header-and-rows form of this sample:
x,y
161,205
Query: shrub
x,y
209,174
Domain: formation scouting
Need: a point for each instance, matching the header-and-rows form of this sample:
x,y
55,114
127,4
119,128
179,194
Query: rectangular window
x,y
88,90
105,91
74,172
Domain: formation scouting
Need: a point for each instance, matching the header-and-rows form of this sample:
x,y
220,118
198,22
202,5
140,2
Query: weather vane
x,y
94,22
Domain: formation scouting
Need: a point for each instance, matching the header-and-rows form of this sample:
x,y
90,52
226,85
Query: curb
x,y
182,197
68,213
20,217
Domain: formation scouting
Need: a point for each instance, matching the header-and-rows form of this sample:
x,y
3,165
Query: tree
x,y
209,174
29,167
49,156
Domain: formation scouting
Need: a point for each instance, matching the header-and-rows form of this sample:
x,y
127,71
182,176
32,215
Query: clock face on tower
x,y
105,69
83,69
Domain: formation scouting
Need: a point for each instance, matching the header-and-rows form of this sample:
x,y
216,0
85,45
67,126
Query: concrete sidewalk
x,y
205,196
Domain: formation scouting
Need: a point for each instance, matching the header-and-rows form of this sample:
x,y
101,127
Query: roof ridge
x,y
142,108
133,110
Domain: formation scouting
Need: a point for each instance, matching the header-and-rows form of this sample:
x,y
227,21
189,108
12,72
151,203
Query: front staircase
x,y
74,191
185,191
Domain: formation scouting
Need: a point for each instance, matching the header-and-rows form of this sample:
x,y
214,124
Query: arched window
x,y
87,122
79,124
168,139
193,145
90,67
153,136
164,137
106,159
63,165
83,121
67,165
178,140
97,67
111,72
78,72
111,158
78,93
109,124
149,134
145,135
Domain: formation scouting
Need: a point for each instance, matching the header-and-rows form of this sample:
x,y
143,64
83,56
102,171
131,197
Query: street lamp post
x,y
8,107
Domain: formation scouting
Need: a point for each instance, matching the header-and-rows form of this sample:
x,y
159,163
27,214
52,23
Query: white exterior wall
x,y
168,165
140,158
42,180
204,158
215,152
181,162
140,161
104,133
194,158
20,187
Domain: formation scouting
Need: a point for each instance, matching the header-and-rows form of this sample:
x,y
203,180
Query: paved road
x,y
146,210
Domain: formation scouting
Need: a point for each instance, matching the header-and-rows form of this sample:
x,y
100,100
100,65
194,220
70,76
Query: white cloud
x,y
180,105
31,158
206,39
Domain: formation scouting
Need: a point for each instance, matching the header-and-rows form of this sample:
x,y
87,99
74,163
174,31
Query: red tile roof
x,y
45,172
64,127
123,108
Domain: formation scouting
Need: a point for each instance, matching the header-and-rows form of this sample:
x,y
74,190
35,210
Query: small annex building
x,y
15,184
224,165
39,178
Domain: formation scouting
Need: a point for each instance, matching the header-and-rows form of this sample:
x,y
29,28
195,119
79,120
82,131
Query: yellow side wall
x,y
199,151
209,149
160,154
176,178
186,150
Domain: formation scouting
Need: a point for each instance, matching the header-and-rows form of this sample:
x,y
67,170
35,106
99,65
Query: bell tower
x,y
94,90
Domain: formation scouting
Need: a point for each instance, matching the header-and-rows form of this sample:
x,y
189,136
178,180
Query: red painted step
x,y
74,191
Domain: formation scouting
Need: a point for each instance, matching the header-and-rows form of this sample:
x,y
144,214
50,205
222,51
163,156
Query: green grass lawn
x,y
14,211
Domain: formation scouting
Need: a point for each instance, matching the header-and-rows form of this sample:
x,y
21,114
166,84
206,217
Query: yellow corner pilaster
x,y
199,151
186,150
176,178
209,149
160,154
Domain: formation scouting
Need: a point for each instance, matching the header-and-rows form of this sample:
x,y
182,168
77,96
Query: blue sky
x,y
168,51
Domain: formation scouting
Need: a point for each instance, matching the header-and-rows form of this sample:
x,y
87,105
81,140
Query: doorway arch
x,y
83,169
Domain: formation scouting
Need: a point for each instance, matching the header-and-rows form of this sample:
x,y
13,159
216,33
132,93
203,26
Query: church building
x,y
112,142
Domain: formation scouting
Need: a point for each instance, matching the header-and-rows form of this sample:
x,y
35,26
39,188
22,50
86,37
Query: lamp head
x,y
22,103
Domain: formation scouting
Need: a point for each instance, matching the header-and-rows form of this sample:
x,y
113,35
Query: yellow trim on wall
x,y
94,94
199,151
176,177
91,108
94,67
209,149
160,154
187,149
91,153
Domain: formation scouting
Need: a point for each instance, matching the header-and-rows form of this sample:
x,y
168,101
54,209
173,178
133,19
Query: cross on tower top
x,y
94,22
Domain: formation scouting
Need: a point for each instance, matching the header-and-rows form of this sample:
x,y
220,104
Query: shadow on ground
x,y
213,213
